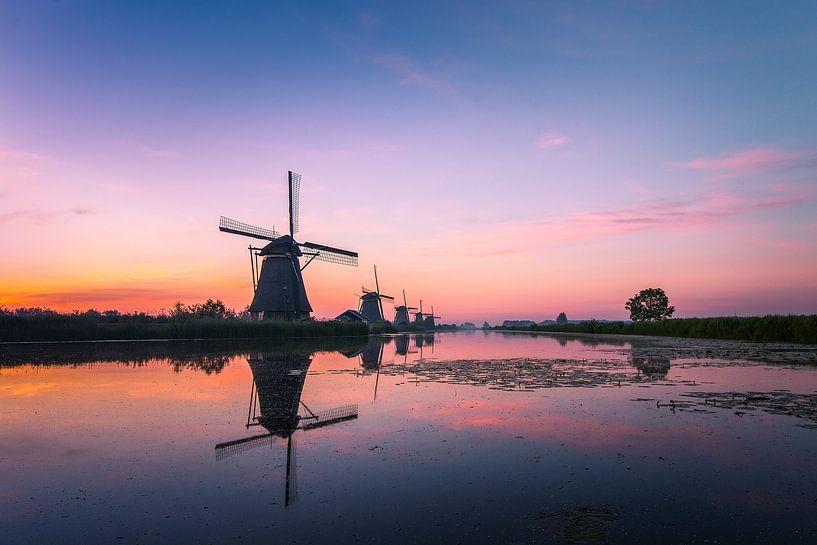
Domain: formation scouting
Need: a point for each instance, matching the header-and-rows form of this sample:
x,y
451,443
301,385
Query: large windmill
x,y
371,302
401,313
278,382
278,285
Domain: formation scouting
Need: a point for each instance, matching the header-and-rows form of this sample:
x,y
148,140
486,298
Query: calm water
x,y
458,438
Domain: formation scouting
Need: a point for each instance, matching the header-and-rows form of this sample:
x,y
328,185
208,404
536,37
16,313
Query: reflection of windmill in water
x,y
278,286
401,313
371,302
401,346
422,339
371,358
275,405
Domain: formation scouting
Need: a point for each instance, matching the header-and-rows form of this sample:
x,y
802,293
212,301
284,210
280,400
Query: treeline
x,y
205,321
771,328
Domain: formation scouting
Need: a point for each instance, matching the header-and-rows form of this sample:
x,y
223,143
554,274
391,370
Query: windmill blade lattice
x,y
229,225
294,201
330,254
329,417
231,448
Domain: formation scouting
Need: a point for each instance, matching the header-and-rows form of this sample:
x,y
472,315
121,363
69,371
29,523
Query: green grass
x,y
53,326
771,328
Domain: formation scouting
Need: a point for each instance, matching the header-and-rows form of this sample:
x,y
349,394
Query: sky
x,y
498,160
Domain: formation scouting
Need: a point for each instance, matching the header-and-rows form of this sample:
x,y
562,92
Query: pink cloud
x,y
22,154
749,161
651,215
551,140
410,74
41,217
18,173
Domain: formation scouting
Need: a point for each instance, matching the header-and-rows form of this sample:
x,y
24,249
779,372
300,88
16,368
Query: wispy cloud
x,y
40,217
551,140
750,161
22,172
352,150
21,154
671,214
410,74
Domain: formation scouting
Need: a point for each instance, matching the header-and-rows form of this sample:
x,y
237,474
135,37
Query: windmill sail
x,y
231,448
228,225
322,252
294,201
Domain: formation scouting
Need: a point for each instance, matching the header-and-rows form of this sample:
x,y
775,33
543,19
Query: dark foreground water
x,y
458,438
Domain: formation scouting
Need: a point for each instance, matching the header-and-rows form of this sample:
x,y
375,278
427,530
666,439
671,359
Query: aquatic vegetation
x,y
582,525
803,406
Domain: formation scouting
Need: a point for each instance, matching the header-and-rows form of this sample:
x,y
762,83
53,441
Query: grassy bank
x,y
53,326
772,328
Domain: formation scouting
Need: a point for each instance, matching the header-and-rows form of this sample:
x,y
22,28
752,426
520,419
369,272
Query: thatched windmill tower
x,y
401,313
371,302
278,286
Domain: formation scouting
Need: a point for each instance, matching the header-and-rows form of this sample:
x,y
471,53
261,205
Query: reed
x,y
45,325
770,328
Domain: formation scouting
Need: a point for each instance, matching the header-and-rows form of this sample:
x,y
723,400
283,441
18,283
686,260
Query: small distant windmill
x,y
401,313
278,382
425,319
278,286
419,316
429,319
371,302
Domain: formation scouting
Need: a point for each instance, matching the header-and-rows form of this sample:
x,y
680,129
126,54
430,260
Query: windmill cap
x,y
281,245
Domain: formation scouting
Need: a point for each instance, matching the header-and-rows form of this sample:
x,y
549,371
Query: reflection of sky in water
x,y
95,452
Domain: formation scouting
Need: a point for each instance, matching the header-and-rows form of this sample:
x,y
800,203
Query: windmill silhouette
x,y
424,319
276,405
371,302
401,313
278,286
430,319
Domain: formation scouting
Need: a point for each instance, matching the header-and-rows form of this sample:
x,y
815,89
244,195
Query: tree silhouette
x,y
649,305
561,318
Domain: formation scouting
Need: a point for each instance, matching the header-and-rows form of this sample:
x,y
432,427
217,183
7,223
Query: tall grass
x,y
771,328
53,326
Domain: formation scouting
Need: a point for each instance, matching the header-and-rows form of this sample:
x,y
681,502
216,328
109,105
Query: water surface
x,y
448,438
